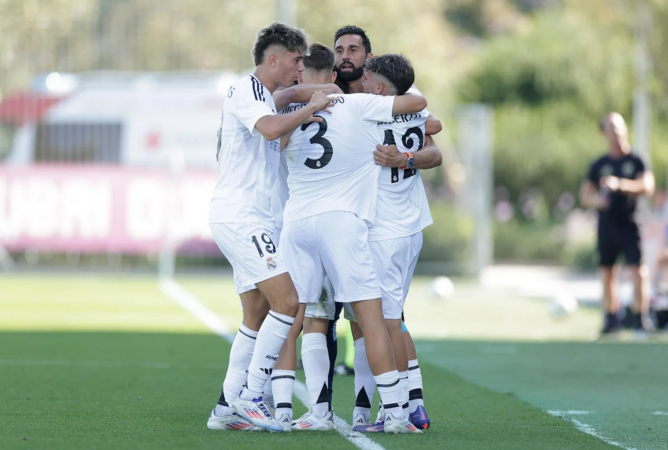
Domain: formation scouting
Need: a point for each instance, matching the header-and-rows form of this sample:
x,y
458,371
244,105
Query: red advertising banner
x,y
97,209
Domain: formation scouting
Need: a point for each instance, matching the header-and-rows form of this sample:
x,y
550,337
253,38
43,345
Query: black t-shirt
x,y
622,207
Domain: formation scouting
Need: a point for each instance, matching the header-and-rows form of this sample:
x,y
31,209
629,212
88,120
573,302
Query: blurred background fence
x,y
109,111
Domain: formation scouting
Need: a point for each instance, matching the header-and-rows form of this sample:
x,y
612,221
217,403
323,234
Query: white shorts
x,y
325,308
334,244
251,249
395,261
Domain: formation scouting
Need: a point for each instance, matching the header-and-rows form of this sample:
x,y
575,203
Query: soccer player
x,y
613,184
396,237
242,222
353,50
333,182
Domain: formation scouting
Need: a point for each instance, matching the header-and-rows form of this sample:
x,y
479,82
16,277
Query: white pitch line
x,y
661,413
209,318
588,429
570,412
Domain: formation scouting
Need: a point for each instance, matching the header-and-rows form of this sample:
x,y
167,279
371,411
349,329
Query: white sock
x,y
365,384
403,384
316,369
414,385
283,382
268,392
237,369
223,411
390,393
270,339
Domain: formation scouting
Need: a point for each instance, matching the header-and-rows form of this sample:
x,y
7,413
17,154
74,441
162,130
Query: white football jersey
x,y
331,165
281,192
402,208
247,162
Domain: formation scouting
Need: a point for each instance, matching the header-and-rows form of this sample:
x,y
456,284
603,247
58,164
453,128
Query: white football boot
x,y
229,422
286,422
257,413
393,425
310,422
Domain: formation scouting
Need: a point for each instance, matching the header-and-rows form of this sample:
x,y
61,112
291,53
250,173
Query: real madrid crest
x,y
271,264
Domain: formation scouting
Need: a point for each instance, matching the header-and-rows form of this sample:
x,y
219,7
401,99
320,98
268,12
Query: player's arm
x,y
428,157
285,139
302,93
432,126
589,197
408,103
274,126
642,185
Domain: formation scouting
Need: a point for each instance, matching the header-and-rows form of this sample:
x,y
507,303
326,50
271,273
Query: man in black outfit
x,y
613,184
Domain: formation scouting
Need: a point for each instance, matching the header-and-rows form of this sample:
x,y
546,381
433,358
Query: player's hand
x,y
321,102
312,119
389,156
611,183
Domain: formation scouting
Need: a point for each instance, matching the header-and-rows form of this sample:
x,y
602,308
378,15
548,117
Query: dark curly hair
x,y
396,69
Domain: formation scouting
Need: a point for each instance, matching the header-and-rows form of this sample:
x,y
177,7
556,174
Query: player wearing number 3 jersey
x,y
333,182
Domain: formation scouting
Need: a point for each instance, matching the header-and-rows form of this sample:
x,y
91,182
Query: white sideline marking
x,y
192,304
588,429
345,430
661,413
570,412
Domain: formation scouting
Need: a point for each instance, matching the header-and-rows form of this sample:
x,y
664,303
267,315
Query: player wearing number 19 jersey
x,y
242,223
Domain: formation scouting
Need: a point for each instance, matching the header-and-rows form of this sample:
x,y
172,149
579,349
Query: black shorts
x,y
616,238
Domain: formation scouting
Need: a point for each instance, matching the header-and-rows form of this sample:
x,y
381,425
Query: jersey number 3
x,y
321,141
408,142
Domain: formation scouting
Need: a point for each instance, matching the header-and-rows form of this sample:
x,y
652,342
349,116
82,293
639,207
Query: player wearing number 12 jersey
x,y
396,237
333,183
241,218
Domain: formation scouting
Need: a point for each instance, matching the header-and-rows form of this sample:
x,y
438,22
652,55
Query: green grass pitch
x,y
101,362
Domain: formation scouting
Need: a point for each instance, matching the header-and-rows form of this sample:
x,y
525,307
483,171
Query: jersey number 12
x,y
408,142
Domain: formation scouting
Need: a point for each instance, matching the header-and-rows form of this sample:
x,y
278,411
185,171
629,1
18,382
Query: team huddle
x,y
320,207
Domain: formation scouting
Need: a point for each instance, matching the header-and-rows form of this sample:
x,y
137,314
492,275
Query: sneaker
x,y
314,423
360,420
377,427
286,422
420,418
399,426
257,413
380,418
229,422
611,324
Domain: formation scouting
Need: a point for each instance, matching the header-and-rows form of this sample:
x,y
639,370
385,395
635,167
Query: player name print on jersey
x,y
402,208
403,118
